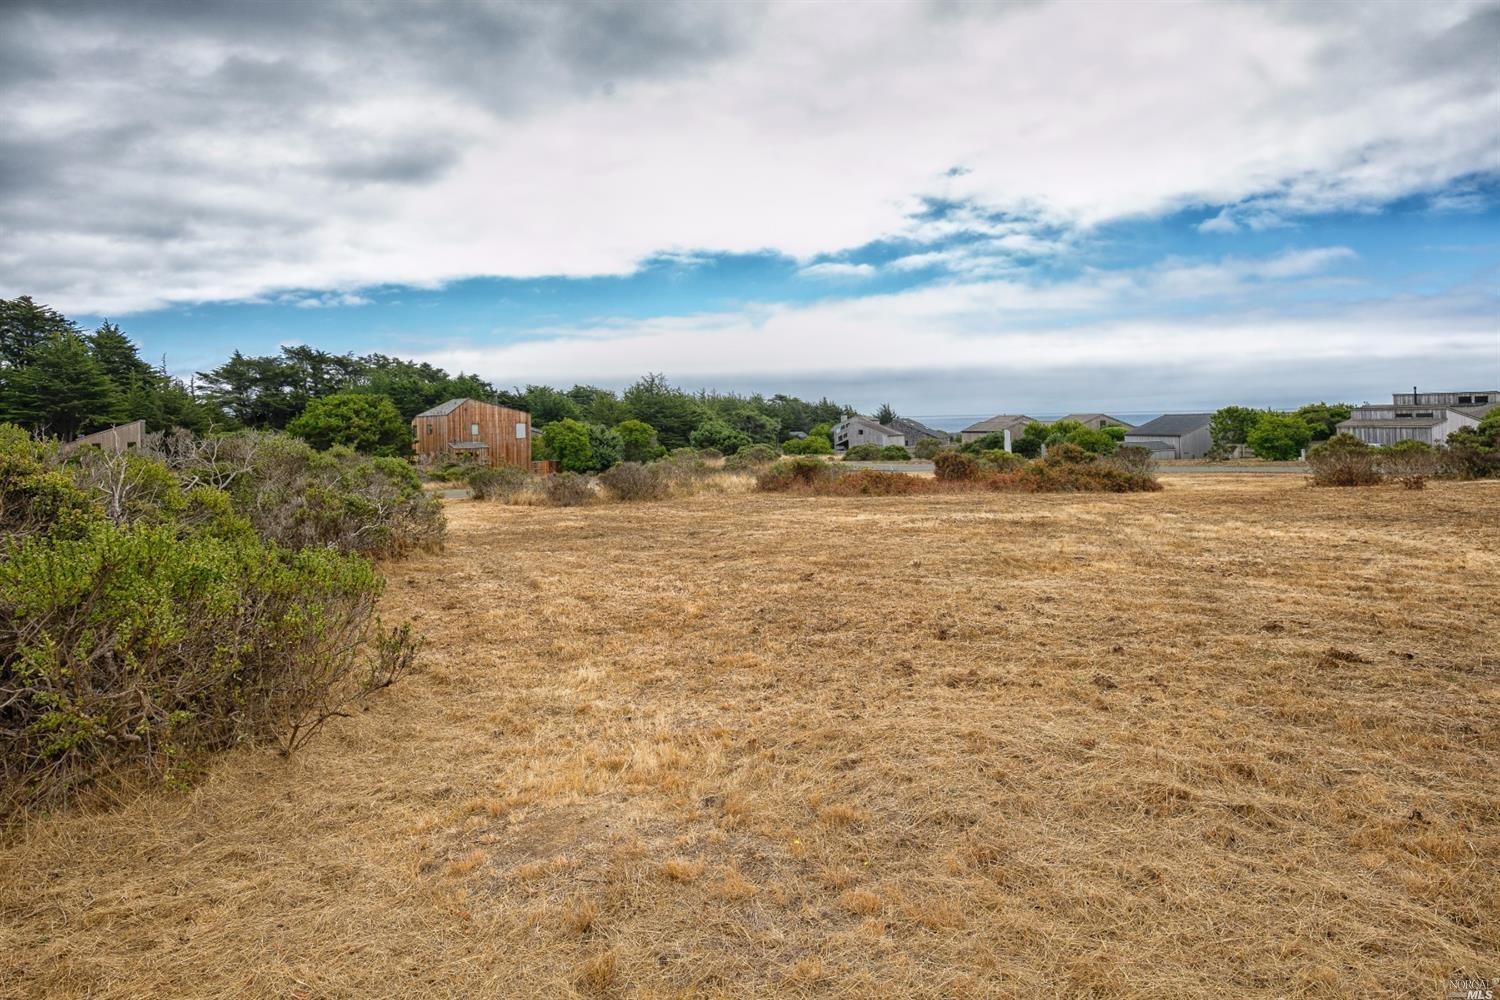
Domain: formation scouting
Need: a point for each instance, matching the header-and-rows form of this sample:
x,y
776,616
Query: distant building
x,y
1097,421
479,432
863,430
915,430
1428,417
122,437
1013,422
1186,433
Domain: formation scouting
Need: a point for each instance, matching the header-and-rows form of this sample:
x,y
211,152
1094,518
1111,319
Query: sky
x,y
959,209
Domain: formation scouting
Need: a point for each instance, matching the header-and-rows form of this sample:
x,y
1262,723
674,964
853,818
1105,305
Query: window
x,y
1465,399
1481,399
1401,415
1425,416
473,430
429,428
520,430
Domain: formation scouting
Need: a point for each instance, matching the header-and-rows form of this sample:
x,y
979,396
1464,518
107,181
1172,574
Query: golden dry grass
x,y
1239,738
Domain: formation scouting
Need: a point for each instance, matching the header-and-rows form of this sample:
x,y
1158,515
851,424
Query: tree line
x,y
59,380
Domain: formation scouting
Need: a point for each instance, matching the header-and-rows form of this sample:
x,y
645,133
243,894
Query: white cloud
x,y
1230,314
331,160
838,271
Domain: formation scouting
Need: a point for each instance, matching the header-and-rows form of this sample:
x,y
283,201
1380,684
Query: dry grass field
x,y
1239,738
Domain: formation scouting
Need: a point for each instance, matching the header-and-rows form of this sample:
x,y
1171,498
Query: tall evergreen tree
x,y
60,390
25,325
118,357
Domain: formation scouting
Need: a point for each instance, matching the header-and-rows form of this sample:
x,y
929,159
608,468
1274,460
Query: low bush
x,y
862,453
894,453
140,645
1410,463
301,498
1343,460
927,448
502,482
569,489
751,456
1000,460
1067,468
813,444
800,472
872,483
956,466
632,481
1132,458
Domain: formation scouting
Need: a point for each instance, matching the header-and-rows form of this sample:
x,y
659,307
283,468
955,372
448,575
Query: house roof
x,y
1151,445
1173,424
443,409
996,424
871,422
1084,418
915,428
1477,412
1384,422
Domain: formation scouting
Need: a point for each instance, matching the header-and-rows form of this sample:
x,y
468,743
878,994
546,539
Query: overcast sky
x,y
958,208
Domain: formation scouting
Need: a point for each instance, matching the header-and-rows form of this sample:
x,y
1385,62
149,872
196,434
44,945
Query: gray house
x,y
1013,422
1428,417
1187,433
864,430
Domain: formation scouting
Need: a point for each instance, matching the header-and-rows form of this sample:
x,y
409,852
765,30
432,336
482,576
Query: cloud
x,y
160,153
837,271
1231,323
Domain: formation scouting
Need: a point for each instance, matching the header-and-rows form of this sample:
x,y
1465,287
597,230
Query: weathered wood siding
x,y
506,434
121,437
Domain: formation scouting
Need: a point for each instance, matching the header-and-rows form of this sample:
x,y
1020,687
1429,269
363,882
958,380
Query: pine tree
x,y
24,325
60,390
118,357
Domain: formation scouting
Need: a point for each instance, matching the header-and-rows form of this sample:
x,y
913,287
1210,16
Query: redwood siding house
x,y
468,429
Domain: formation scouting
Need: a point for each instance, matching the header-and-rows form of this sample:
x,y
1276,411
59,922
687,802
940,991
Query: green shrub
x,y
799,472
1000,460
1474,452
862,453
568,442
716,434
300,498
1343,460
813,444
500,483
927,448
360,420
141,645
751,456
894,453
637,440
956,466
568,489
632,481
1279,437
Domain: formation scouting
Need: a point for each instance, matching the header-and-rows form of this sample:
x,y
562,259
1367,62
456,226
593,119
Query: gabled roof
x,y
1390,422
443,409
1173,424
1084,418
915,428
871,422
1477,412
996,424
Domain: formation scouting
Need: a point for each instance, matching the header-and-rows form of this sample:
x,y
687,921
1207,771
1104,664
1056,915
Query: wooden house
x,y
467,429
1186,433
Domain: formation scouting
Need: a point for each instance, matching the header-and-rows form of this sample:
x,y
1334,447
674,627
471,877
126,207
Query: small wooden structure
x,y
121,437
467,429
